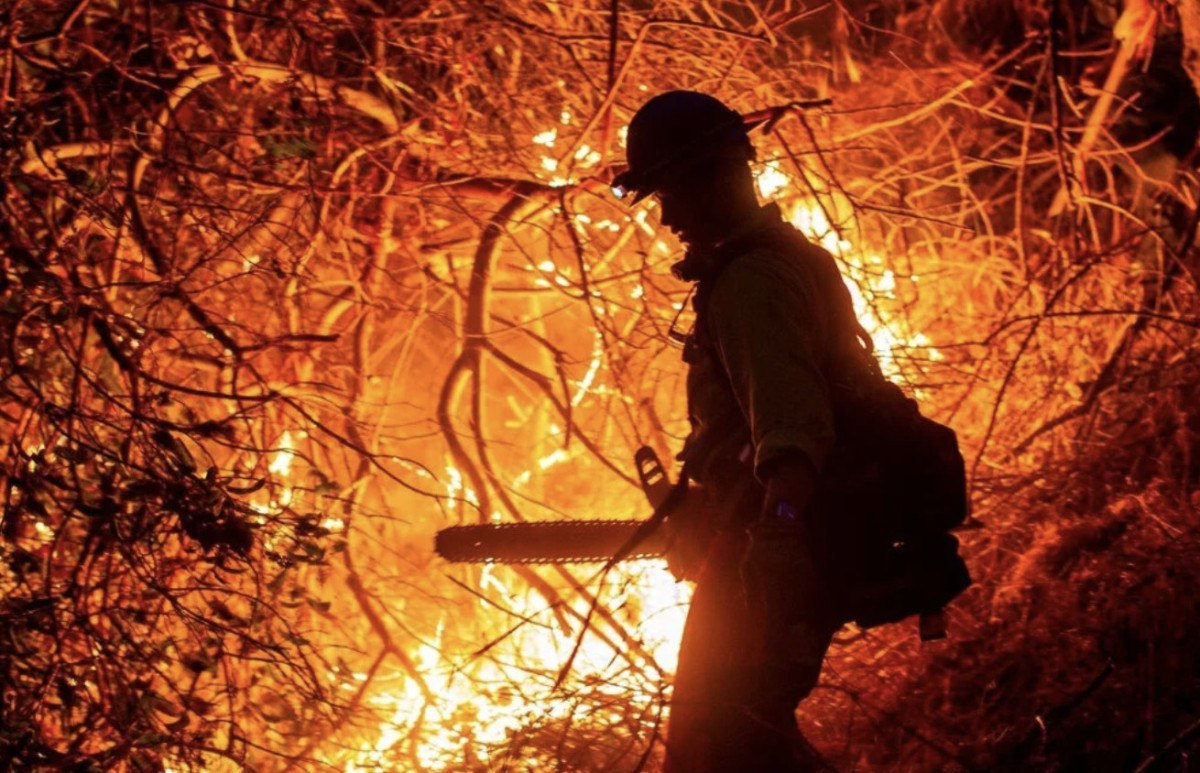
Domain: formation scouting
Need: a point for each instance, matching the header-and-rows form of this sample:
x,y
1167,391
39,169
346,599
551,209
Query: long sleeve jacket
x,y
775,336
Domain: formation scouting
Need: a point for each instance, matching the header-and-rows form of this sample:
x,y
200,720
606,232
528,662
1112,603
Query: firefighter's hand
x,y
685,556
690,534
779,567
790,482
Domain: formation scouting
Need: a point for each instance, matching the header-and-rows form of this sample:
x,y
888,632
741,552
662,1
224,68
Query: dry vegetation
x,y
289,285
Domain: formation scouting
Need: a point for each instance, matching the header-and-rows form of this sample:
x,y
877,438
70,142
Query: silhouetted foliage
x,y
288,285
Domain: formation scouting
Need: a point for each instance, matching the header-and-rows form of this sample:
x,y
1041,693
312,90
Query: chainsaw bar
x,y
547,542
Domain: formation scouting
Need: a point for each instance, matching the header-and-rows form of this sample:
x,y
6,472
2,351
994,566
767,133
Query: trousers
x,y
747,658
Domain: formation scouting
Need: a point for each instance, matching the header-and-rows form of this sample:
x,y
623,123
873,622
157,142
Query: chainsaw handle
x,y
652,475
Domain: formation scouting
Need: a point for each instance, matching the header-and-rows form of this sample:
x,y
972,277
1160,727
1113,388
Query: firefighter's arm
x,y
762,321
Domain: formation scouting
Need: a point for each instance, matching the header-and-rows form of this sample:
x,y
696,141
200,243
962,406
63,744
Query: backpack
x,y
899,479
895,480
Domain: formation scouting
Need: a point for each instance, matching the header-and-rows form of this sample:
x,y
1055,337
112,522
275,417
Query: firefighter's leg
x,y
743,667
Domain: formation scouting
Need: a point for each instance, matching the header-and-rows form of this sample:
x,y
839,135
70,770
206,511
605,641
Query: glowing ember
x,y
282,463
552,458
593,368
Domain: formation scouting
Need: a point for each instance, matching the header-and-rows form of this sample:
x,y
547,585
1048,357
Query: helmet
x,y
669,132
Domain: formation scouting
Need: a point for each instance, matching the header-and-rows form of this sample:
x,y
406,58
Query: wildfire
x,y
481,703
482,700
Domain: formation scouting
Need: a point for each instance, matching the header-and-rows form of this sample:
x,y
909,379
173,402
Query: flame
x,y
865,277
480,701
770,180
282,463
475,710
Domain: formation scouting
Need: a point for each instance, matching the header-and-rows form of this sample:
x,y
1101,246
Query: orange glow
x,y
289,287
477,710
480,701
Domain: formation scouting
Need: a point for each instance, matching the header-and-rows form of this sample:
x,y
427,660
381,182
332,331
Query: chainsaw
x,y
567,542
607,542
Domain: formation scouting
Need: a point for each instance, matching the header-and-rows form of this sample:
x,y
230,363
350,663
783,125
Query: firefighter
x,y
774,323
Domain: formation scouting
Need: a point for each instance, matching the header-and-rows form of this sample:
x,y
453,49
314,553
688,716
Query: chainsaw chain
x,y
635,556
492,528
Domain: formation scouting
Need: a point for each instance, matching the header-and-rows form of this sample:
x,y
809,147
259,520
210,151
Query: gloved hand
x,y
690,534
690,539
790,481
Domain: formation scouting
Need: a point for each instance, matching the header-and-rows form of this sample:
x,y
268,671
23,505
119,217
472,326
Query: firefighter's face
x,y
691,208
702,204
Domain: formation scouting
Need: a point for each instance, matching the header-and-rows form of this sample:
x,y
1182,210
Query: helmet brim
x,y
630,188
